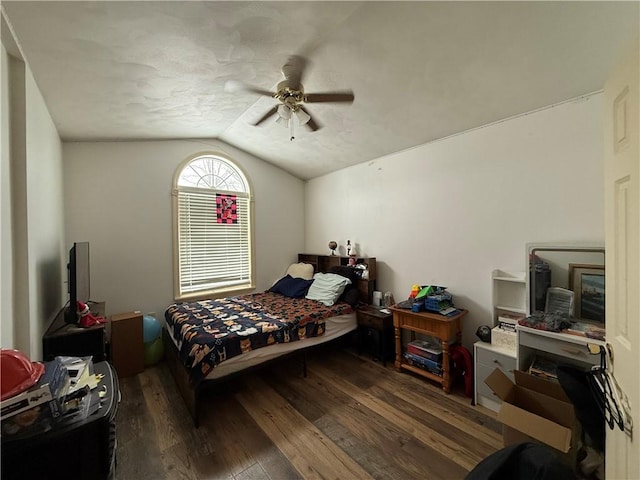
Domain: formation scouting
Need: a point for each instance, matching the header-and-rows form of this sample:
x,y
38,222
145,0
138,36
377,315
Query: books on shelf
x,y
508,321
544,367
423,363
429,347
595,331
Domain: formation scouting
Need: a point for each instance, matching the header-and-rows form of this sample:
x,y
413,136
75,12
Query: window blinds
x,y
212,255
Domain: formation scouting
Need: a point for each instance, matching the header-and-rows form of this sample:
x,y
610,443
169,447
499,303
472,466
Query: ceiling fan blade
x,y
259,91
293,71
270,113
311,124
233,86
342,97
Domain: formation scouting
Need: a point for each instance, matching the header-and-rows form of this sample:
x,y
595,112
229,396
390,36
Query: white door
x,y
622,241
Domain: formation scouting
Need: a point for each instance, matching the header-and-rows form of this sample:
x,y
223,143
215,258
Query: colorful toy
x,y
153,352
153,346
87,319
414,291
151,328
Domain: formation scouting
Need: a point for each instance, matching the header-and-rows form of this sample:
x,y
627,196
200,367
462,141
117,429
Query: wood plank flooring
x,y
350,418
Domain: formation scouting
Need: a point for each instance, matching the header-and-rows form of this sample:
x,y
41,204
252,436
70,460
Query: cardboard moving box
x,y
534,408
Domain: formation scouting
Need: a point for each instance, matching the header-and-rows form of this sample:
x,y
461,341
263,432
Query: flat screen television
x,y
78,279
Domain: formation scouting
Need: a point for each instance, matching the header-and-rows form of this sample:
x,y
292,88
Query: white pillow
x,y
327,287
300,270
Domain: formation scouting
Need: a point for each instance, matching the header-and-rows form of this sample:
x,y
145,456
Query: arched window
x,y
212,228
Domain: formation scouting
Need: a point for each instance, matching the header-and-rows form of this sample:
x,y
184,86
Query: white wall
x,y
118,197
31,208
451,211
6,245
46,257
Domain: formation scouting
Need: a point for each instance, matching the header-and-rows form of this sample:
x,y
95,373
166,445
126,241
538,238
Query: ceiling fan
x,y
291,95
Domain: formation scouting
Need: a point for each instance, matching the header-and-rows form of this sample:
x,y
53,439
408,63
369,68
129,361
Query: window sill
x,y
217,293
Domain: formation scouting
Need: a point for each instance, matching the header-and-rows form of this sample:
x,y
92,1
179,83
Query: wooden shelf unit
x,y
323,263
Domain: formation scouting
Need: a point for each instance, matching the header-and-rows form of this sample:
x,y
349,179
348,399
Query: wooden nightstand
x,y
447,329
375,332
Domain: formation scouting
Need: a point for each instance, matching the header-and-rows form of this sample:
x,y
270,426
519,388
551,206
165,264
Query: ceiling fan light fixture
x,y
282,121
284,111
302,116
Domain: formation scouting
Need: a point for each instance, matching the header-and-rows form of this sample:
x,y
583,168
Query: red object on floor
x,y
461,358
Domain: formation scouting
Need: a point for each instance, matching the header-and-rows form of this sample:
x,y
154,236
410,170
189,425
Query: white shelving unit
x,y
509,293
509,297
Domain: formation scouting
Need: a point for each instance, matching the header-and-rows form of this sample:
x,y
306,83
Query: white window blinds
x,y
213,238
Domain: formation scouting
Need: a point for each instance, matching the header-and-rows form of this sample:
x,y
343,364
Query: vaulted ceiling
x,y
420,71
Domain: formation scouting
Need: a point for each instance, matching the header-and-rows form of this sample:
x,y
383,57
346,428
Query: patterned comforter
x,y
212,331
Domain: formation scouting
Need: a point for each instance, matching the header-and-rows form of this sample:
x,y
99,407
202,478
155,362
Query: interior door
x,y
622,219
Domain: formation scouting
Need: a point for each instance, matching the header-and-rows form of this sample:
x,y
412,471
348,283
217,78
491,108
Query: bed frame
x,y
193,393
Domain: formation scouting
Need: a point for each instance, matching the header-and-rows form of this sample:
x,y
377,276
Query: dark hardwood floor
x,y
350,418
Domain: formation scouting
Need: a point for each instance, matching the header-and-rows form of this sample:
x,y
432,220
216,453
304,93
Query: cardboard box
x,y
536,409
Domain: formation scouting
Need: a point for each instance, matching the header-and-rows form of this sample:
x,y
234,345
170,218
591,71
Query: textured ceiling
x,y
419,70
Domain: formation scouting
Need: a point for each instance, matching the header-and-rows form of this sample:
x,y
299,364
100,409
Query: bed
x,y
209,341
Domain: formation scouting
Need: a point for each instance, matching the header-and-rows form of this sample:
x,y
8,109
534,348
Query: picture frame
x,y
588,283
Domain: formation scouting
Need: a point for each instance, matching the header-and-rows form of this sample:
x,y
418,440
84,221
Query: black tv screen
x,y
79,279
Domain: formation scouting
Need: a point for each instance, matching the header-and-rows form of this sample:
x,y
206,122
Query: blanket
x,y
212,331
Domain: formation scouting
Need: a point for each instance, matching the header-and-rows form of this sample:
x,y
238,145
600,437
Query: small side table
x,y
447,329
375,332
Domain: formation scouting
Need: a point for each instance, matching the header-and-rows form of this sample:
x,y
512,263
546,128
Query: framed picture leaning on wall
x,y
587,282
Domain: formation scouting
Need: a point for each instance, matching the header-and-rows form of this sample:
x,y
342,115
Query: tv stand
x,y
62,338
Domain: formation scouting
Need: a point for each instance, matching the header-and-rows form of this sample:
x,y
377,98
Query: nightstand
x,y
375,332
487,358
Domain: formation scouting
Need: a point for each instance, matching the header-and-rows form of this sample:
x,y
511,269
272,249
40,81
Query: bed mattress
x,y
335,327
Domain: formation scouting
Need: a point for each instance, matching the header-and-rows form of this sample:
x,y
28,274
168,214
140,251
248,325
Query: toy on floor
x,y
152,336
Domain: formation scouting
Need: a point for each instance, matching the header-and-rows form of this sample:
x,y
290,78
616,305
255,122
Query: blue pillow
x,y
292,287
